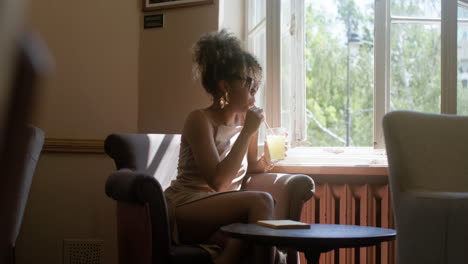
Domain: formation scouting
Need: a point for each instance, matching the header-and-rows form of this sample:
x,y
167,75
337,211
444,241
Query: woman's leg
x,y
198,221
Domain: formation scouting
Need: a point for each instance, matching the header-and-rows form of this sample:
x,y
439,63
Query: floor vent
x,y
79,251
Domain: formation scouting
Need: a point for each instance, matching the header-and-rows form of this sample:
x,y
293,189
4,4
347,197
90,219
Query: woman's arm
x,y
255,164
199,133
258,165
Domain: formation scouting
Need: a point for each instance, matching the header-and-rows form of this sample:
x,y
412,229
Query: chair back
x,y
16,185
35,141
427,151
153,154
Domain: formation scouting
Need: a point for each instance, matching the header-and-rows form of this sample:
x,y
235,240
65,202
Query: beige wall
x,y
168,91
111,75
93,92
67,201
95,85
231,17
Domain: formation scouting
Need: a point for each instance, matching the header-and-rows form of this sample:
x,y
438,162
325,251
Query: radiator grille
x,y
352,204
82,251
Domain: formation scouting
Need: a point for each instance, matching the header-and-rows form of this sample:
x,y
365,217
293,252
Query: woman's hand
x,y
266,151
268,164
253,119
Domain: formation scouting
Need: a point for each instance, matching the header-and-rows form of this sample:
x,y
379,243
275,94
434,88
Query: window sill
x,y
334,161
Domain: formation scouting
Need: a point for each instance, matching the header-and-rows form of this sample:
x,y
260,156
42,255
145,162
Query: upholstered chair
x,y
428,170
146,164
20,144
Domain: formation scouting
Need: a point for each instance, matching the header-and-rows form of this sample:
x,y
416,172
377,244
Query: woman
x,y
218,146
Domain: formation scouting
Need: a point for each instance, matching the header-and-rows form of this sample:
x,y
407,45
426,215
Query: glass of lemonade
x,y
276,140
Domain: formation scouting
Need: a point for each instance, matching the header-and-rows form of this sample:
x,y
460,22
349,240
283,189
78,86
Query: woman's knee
x,y
261,201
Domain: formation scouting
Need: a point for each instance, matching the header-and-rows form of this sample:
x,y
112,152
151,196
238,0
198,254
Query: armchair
x,y
146,164
20,144
428,170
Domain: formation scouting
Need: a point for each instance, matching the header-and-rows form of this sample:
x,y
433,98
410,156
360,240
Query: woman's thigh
x,y
199,220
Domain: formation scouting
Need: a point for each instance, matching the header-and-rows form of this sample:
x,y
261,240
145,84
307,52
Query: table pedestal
x,y
312,256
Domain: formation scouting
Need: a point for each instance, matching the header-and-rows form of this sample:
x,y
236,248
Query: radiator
x,y
352,204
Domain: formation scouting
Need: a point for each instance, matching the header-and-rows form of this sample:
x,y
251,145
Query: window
x,y
334,68
462,59
256,41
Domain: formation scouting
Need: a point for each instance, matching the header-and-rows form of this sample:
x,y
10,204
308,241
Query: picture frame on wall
x,y
154,5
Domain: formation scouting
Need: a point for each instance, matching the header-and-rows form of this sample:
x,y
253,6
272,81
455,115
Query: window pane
x,y
285,15
286,65
256,12
416,8
330,26
462,84
415,67
257,46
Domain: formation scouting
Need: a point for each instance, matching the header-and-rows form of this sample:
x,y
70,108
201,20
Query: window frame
x,y
382,30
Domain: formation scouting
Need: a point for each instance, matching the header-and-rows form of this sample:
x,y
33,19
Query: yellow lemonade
x,y
276,145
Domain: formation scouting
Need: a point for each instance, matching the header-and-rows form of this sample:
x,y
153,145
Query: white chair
x,y
428,170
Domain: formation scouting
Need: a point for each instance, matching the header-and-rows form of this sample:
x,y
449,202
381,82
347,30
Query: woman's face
x,y
242,92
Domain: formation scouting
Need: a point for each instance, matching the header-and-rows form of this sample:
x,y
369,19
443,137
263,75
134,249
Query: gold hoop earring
x,y
224,100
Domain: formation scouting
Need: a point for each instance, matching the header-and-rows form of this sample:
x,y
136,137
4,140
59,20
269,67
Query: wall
x,y
93,92
95,85
111,76
168,91
231,17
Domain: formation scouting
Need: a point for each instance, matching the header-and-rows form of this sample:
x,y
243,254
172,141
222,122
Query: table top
x,y
318,235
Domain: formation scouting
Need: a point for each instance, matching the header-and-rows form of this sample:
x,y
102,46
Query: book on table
x,y
283,224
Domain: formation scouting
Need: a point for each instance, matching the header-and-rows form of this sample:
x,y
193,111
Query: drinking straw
x,y
269,128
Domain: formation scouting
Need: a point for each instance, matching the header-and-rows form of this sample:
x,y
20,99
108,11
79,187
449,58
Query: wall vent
x,y
79,251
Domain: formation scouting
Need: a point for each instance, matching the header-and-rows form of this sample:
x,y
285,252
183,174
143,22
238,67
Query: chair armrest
x,y
133,187
290,191
126,185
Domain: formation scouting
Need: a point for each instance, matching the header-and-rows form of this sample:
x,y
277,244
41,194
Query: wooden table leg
x,y
312,256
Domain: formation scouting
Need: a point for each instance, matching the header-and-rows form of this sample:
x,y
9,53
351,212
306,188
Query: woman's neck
x,y
225,116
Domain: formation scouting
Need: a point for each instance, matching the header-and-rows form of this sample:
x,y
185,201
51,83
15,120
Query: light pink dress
x,y
189,184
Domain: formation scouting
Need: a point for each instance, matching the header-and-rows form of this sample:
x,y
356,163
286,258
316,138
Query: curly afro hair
x,y
219,55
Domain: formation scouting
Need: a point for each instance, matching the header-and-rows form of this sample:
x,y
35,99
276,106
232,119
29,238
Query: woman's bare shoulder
x,y
196,120
198,115
197,127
